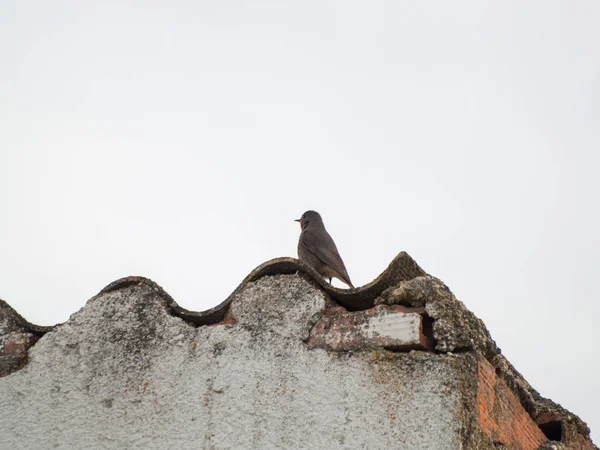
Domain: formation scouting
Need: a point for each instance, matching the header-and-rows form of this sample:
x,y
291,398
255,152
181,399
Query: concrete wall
x,y
124,373
284,368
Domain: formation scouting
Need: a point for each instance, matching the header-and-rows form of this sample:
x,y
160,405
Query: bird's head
x,y
310,218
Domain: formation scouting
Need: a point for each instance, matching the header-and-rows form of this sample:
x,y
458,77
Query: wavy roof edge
x,y
402,268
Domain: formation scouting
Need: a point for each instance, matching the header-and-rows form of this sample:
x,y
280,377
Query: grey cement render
x,y
124,373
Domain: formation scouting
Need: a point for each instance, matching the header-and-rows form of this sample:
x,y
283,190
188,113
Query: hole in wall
x,y
428,330
553,430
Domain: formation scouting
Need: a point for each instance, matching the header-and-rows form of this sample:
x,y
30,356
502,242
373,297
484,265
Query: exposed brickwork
x,y
501,415
570,436
13,355
393,327
15,340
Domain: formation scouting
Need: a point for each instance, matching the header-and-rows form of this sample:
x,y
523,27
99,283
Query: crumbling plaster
x,y
278,364
124,373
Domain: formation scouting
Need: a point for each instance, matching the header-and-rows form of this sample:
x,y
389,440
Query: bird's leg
x,y
330,278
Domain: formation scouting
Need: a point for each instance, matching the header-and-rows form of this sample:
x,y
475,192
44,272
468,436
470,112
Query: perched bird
x,y
317,249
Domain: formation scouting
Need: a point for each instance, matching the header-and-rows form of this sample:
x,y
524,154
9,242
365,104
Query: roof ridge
x,y
402,268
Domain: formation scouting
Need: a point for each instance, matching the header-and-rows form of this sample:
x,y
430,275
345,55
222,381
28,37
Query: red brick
x,y
501,415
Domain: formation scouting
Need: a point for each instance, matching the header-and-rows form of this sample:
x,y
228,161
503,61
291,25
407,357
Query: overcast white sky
x,y
178,140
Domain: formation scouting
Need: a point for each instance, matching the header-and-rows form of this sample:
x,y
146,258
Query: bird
x,y
317,249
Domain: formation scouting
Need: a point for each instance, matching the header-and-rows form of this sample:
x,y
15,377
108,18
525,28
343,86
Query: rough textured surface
x,y
403,267
285,305
279,364
16,337
500,413
456,329
124,373
389,327
557,422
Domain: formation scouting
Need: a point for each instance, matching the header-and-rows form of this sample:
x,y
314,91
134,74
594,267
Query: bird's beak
x,y
297,220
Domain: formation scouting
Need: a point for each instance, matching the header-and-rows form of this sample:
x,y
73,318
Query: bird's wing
x,y
323,247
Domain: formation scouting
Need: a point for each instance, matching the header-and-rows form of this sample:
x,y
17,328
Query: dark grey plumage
x,y
317,249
